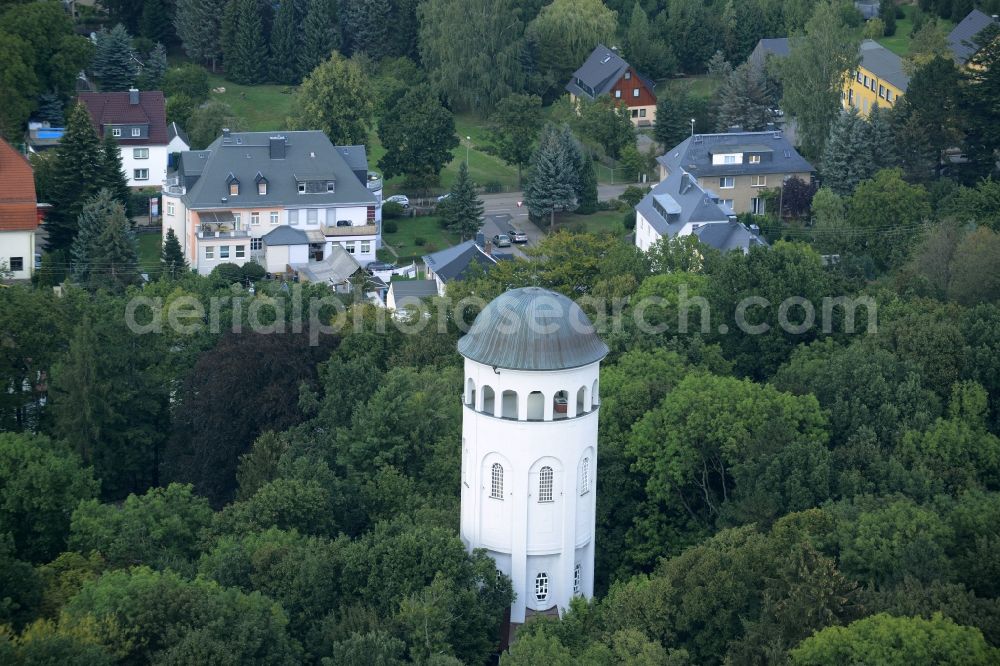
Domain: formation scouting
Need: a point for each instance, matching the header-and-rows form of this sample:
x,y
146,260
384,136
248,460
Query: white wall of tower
x,y
543,520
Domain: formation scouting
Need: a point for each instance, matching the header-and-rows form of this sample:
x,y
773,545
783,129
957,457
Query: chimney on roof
x,y
488,248
277,144
133,96
225,132
480,238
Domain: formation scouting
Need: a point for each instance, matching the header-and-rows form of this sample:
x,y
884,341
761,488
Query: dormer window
x,y
116,131
755,159
136,131
261,184
302,188
329,186
234,185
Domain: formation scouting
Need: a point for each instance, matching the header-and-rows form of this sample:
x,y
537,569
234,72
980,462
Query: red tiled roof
x,y
113,108
17,191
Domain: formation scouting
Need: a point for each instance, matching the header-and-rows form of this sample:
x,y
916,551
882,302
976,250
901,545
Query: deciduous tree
x,y
517,121
336,98
563,34
419,135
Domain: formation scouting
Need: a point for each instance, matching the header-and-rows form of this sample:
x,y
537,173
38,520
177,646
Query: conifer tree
x,y
463,209
553,180
155,68
365,27
746,100
648,52
285,43
847,156
154,23
50,108
246,51
198,25
93,218
673,116
320,34
76,175
882,139
112,172
114,263
114,62
586,190
172,257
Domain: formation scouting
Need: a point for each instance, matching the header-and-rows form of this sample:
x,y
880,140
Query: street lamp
x,y
692,127
467,146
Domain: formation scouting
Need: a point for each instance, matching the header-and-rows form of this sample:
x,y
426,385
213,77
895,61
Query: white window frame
x,y
241,251
541,586
618,94
755,159
116,131
635,92
223,252
234,189
16,264
140,174
261,188
136,132
293,217
254,218
727,179
302,188
758,204
312,216
349,246
728,202
170,208
758,180
140,153
366,247
628,75
729,159
237,220
256,244
546,482
274,217
496,481
577,578
209,252
642,113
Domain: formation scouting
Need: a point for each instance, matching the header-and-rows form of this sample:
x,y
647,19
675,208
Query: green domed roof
x,y
532,329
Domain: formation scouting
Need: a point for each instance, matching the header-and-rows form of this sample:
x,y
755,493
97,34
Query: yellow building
x,y
879,79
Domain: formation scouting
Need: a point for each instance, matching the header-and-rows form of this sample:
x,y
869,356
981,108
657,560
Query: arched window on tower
x,y
585,476
542,586
470,393
496,485
536,406
594,398
545,484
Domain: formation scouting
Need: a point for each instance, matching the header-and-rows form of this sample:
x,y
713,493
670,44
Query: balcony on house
x,y
220,224
173,186
374,181
345,228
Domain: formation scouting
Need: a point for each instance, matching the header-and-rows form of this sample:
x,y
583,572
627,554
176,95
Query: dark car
x,y
501,240
381,266
517,236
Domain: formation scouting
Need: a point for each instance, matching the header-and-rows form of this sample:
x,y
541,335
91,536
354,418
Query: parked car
x,y
517,236
401,199
443,197
501,240
380,266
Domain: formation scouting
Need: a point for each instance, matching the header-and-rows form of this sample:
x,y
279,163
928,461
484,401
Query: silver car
x,y
517,236
401,199
501,240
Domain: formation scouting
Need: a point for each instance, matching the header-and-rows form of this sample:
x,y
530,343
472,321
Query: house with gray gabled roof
x,y
177,139
737,165
776,47
403,293
964,40
679,206
250,194
453,263
605,72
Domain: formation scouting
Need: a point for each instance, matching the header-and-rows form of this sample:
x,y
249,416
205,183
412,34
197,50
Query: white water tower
x,y
529,445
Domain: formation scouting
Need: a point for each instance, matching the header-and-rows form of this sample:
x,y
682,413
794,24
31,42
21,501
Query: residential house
x,y
138,121
679,206
606,73
403,293
453,263
283,199
42,136
335,271
737,165
18,213
963,40
879,79
768,48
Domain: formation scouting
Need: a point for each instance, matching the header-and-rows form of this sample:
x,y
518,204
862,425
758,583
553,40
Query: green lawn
x,y
260,108
404,241
899,43
601,222
149,252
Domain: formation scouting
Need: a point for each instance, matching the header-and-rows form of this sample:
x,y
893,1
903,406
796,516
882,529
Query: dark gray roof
x,y
451,263
285,235
307,155
175,130
777,47
336,269
727,237
694,155
962,38
532,329
601,70
355,156
413,289
883,63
